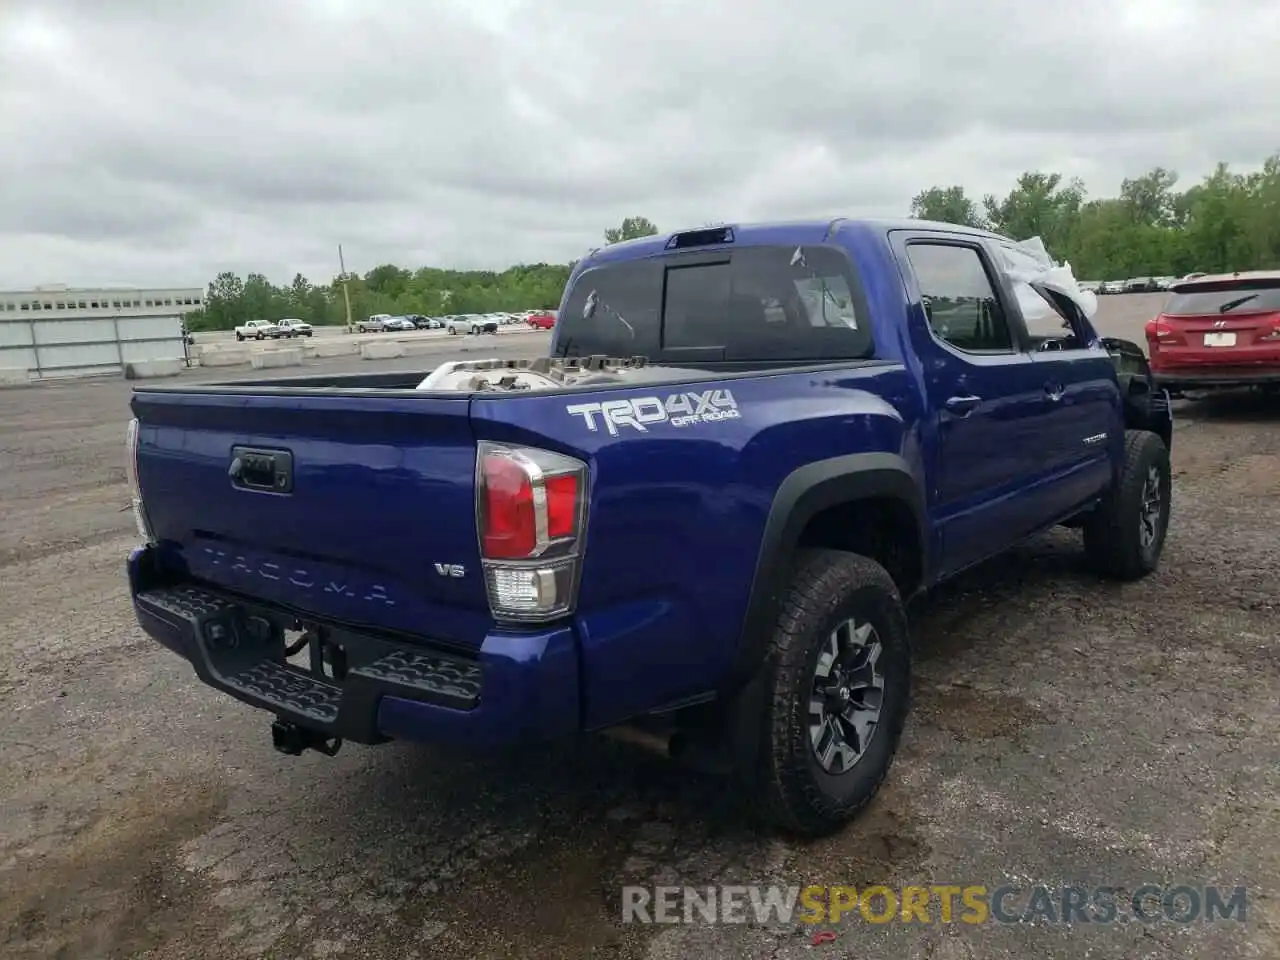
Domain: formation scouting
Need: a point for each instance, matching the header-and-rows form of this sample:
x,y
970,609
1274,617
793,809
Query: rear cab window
x,y
751,303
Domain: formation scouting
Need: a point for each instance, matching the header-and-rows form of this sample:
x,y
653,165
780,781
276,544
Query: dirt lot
x,y
1065,731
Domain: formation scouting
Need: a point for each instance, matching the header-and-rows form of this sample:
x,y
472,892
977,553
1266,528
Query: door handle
x,y
963,406
1053,391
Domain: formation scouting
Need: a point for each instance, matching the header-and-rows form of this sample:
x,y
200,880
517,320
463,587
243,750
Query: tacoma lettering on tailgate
x,y
300,577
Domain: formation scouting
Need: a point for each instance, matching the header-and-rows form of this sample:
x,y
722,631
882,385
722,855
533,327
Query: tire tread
x,y
783,792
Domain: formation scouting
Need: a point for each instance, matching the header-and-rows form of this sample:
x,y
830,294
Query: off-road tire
x,y
787,785
1112,542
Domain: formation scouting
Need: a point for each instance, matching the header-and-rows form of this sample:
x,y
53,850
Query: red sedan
x,y
542,321
1218,331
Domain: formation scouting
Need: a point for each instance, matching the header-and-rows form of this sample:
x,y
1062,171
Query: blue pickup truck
x,y
694,525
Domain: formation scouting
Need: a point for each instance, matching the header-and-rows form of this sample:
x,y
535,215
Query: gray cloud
x,y
160,142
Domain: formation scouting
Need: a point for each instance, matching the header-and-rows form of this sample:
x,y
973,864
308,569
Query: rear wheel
x,y
1124,536
837,682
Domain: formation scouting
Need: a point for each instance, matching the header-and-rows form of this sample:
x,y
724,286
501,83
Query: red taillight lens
x,y
562,506
531,510
510,528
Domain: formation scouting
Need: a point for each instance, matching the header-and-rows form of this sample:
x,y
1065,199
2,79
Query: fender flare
x,y
806,492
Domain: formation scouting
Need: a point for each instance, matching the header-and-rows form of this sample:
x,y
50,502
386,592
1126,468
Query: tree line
x,y
431,291
1228,221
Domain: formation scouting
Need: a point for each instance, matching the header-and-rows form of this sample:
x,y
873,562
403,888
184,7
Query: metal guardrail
x,y
87,346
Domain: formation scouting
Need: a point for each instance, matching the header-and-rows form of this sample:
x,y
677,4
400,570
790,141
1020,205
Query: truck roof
x,y
808,231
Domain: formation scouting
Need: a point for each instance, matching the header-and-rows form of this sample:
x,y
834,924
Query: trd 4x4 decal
x,y
639,413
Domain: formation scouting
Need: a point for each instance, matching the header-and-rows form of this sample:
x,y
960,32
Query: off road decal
x,y
640,413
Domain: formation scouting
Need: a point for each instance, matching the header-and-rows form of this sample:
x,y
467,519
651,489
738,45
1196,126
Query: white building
x,y
58,302
58,331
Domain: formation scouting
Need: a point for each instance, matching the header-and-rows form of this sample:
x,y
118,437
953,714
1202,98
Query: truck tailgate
x,y
377,509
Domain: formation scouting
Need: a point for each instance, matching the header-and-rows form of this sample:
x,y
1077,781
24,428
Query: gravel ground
x,y
1065,730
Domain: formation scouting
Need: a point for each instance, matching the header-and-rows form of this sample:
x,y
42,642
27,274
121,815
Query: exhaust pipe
x,y
645,739
675,745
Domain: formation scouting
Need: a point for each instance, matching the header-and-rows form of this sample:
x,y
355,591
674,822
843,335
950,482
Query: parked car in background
x,y
375,324
399,324
294,328
472,325
1112,287
1218,331
542,321
1140,285
257,330
1091,286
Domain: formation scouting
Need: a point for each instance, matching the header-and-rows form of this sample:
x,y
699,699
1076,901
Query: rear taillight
x,y
1160,331
135,489
1274,334
531,512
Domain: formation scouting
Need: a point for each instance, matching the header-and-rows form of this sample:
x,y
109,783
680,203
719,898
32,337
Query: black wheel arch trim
x,y
806,492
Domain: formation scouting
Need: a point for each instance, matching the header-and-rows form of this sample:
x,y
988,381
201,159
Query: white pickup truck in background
x,y
257,330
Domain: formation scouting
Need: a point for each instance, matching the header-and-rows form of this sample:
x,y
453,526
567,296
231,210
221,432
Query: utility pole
x,y
346,294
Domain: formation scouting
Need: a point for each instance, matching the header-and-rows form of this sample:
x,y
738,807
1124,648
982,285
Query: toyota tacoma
x,y
694,525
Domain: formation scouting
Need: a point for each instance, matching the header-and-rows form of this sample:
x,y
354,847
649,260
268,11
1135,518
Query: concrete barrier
x,y
224,358
269,359
418,348
381,350
14,377
150,369
332,348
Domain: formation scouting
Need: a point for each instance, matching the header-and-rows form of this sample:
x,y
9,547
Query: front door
x,y
1084,421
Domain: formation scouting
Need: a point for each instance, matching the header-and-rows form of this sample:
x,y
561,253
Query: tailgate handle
x,y
268,471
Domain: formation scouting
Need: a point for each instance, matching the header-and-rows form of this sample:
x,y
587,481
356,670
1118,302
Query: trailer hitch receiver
x,y
293,740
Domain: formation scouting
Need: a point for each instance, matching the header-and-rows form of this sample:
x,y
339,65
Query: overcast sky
x,y
160,142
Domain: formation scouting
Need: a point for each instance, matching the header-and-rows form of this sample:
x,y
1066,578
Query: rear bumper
x,y
517,687
1193,379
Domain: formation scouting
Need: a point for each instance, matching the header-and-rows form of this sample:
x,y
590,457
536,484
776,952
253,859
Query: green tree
x,y
631,229
1039,205
1149,199
946,205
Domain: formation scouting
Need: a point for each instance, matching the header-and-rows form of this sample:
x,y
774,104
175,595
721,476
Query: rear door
x,y
356,508
986,394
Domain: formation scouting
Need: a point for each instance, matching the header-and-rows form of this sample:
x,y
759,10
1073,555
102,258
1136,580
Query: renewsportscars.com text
x,y
937,903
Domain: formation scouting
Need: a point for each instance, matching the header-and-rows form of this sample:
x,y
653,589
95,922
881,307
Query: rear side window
x,y
1252,296
959,299
752,303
